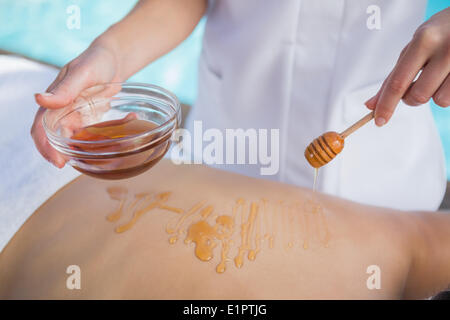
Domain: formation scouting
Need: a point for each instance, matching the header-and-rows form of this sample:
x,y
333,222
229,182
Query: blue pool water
x,y
441,115
37,29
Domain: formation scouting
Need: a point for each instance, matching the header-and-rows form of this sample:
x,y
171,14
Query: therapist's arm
x,y
151,29
429,52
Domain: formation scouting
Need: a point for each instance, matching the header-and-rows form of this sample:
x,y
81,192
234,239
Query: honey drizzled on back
x,y
243,234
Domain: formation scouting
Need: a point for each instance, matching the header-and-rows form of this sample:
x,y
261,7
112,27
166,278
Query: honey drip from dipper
x,y
237,236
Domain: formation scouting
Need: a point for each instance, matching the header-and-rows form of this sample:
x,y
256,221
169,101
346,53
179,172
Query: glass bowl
x,y
114,130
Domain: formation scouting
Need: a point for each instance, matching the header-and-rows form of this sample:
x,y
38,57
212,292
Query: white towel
x,y
26,178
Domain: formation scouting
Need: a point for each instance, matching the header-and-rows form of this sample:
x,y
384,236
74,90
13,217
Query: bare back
x,y
192,232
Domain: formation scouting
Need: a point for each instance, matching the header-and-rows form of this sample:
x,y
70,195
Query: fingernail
x,y
369,106
380,121
46,94
370,103
57,164
60,164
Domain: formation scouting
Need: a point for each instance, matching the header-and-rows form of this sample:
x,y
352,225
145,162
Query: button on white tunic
x,y
306,67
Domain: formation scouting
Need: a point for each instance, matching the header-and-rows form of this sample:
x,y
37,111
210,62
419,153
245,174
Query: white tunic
x,y
306,67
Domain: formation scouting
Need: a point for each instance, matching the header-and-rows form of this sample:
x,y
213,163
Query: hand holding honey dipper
x,y
421,73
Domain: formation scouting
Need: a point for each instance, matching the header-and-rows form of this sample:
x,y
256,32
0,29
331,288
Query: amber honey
x,y
236,235
117,158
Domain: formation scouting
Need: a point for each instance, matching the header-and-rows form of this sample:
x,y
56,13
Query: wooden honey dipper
x,y
324,148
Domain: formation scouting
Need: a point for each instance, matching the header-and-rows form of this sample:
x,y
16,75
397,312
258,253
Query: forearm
x,y
151,29
430,267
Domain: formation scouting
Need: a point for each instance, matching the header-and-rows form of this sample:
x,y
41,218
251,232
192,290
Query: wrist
x,y
108,43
